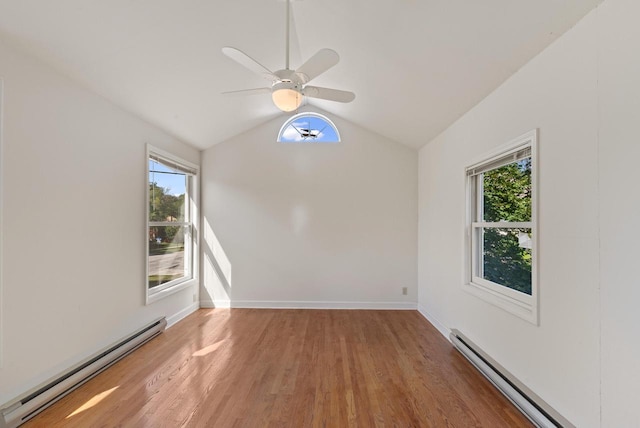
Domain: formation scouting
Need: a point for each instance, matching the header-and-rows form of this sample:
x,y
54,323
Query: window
x,y
309,127
502,228
170,224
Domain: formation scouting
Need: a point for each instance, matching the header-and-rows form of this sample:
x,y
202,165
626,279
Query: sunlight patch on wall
x,y
299,219
217,267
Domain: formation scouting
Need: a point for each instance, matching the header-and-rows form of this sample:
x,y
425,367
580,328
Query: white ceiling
x,y
415,65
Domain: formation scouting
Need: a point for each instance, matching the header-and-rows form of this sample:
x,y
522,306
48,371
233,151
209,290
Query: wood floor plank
x,y
289,368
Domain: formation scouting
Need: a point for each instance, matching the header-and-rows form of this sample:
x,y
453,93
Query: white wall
x,y
309,225
583,94
74,173
619,95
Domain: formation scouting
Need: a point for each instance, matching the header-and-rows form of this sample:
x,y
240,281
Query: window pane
x,y
308,127
167,189
507,192
168,259
506,257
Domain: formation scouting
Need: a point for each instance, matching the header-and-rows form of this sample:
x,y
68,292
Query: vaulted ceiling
x,y
415,65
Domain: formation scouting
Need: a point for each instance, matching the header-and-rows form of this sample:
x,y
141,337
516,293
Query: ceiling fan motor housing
x,y
286,84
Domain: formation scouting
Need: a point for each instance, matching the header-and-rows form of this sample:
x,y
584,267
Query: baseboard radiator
x,y
533,407
22,409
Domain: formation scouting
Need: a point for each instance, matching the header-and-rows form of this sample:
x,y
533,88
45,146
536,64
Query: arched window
x,y
308,128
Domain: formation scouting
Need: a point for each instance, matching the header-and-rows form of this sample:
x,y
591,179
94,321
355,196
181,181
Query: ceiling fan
x,y
288,87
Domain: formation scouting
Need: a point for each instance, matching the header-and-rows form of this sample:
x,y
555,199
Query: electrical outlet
x,y
195,298
404,291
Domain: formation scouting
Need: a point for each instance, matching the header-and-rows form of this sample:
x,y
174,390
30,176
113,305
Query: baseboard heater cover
x,y
533,407
22,409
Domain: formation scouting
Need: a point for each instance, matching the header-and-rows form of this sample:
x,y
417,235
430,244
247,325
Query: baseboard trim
x,y
210,304
174,319
445,331
273,304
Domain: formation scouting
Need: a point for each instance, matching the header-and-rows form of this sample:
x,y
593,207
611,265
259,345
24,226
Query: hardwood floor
x,y
289,368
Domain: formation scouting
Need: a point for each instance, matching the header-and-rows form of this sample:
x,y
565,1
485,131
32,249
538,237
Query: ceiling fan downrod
x,y
287,35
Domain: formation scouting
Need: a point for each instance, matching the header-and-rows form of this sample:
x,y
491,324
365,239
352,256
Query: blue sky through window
x,y
308,127
167,177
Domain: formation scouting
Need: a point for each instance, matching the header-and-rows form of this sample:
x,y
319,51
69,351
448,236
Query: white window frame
x,y
521,304
292,119
191,222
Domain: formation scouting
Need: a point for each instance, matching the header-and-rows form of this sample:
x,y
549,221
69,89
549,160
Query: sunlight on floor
x,y
208,349
93,401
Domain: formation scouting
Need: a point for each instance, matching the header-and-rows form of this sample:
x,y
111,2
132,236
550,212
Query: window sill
x,y
528,312
154,296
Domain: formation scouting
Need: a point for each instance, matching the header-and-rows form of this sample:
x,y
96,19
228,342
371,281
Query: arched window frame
x,y
296,117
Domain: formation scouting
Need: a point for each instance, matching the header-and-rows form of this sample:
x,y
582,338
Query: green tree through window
x,y
507,198
164,207
502,229
169,223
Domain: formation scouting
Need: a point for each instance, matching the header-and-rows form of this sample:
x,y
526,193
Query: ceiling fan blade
x,y
248,62
256,91
323,60
328,94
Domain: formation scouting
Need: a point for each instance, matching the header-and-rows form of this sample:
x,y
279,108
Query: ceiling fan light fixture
x,y
286,96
